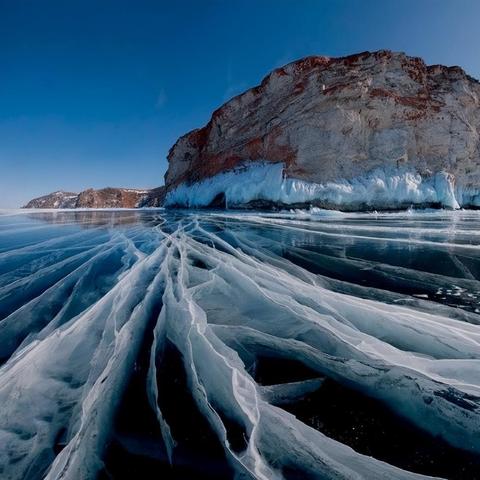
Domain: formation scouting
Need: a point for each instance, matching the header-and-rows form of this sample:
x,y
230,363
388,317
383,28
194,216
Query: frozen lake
x,y
239,344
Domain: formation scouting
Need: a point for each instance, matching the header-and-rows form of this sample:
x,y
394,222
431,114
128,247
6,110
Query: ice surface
x,y
92,305
393,188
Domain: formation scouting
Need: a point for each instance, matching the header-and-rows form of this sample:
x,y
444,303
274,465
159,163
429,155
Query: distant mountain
x,y
54,200
103,198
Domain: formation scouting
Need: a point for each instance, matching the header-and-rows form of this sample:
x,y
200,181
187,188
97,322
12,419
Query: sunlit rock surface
x,y
339,120
147,344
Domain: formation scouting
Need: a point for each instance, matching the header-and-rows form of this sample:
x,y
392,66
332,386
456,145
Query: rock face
x,y
54,200
154,198
110,198
337,120
103,198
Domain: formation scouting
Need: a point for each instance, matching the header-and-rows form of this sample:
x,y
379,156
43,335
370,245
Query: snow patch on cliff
x,y
380,188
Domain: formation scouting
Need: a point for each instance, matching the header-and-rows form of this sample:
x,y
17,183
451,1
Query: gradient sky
x,y
94,92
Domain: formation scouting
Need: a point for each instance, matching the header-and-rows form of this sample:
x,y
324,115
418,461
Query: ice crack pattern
x,y
246,345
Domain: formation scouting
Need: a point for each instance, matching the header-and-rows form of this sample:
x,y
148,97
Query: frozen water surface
x,y
246,345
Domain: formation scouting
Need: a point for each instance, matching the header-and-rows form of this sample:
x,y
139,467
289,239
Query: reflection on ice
x,y
239,345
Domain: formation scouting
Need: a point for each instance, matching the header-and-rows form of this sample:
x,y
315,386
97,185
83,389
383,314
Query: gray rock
x,y
329,119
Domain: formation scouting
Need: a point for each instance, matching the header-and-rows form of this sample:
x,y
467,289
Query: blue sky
x,y
94,92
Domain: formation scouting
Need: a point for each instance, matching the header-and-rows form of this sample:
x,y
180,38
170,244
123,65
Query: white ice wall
x,y
378,188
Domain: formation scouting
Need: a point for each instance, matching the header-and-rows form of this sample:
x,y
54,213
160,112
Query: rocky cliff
x,y
54,200
111,198
103,198
370,130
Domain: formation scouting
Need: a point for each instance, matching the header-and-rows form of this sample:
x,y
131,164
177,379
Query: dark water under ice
x,y
217,345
